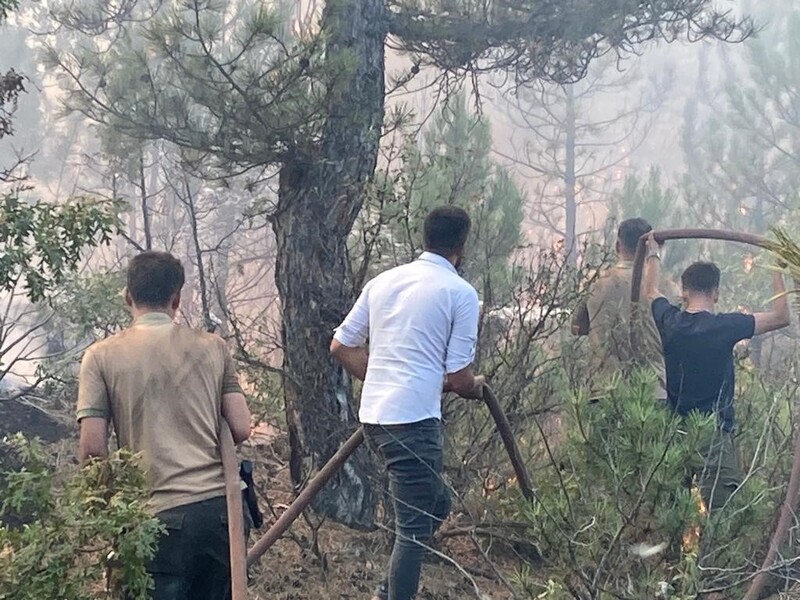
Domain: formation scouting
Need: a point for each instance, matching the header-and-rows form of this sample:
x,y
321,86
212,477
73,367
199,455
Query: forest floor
x,y
17,415
316,560
313,560
350,565
328,561
792,595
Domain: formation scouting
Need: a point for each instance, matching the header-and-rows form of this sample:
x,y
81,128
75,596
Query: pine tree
x,y
451,164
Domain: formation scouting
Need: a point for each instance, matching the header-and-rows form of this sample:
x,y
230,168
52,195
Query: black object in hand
x,y
249,493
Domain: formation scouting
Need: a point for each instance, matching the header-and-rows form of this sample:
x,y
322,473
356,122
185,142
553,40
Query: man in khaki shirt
x,y
166,388
621,336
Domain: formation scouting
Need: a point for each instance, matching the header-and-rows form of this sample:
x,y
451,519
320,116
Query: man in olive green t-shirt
x,y
165,389
621,336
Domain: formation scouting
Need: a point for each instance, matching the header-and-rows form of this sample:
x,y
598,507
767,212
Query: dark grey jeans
x,y
413,455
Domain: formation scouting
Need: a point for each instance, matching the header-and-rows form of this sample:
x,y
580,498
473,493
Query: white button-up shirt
x,y
421,320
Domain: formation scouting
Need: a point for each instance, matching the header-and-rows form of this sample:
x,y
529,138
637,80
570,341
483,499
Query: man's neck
x,y
624,257
452,259
137,313
697,305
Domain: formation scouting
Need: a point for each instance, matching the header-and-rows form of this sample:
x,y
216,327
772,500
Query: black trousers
x,y
192,561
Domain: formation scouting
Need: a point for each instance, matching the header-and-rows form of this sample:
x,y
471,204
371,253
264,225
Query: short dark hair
x,y
153,278
630,231
446,230
702,277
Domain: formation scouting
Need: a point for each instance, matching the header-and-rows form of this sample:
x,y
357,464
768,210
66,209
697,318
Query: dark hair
x,y
629,232
446,230
702,277
153,278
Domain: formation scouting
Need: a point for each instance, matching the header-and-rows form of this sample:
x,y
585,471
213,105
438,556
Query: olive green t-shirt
x,y
621,335
161,385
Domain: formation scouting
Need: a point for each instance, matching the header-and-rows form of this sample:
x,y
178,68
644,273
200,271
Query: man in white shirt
x,y
421,321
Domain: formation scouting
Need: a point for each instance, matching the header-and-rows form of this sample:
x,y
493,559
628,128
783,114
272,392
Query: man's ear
x,y
618,247
175,302
715,295
128,299
684,297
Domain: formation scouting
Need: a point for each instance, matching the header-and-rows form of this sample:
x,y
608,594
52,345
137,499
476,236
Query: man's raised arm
x,y
778,317
652,269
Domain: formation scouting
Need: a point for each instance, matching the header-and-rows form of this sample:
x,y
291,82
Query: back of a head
x,y
701,278
630,231
154,278
446,230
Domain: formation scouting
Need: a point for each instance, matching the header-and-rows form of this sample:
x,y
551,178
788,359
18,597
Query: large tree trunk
x,y
320,194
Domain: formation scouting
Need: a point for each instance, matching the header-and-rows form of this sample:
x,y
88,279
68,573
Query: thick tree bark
x,y
320,194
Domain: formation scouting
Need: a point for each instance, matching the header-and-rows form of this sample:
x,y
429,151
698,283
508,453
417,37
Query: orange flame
x,y
691,536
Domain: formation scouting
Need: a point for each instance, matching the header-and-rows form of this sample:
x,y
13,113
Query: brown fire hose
x,y
789,505
788,508
305,497
337,461
504,429
233,498
686,234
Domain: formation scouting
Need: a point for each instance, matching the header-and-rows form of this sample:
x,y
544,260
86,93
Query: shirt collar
x,y
624,264
438,260
153,318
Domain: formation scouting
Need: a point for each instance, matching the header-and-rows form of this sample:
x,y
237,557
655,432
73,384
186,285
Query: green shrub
x,y
87,537
614,505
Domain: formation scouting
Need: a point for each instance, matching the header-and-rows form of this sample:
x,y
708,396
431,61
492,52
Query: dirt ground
x,y
351,565
346,564
336,562
17,415
342,564
793,595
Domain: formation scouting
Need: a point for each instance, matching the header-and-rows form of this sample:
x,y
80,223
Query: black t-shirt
x,y
698,355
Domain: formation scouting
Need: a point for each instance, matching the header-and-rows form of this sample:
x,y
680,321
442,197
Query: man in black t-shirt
x,y
698,355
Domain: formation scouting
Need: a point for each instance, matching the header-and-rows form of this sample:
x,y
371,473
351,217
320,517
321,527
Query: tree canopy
x,y
220,78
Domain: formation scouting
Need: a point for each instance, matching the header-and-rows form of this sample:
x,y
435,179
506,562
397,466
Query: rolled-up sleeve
x,y
464,334
230,377
93,400
354,330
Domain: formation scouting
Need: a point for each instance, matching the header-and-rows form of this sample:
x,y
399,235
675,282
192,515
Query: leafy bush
x,y
615,517
82,534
